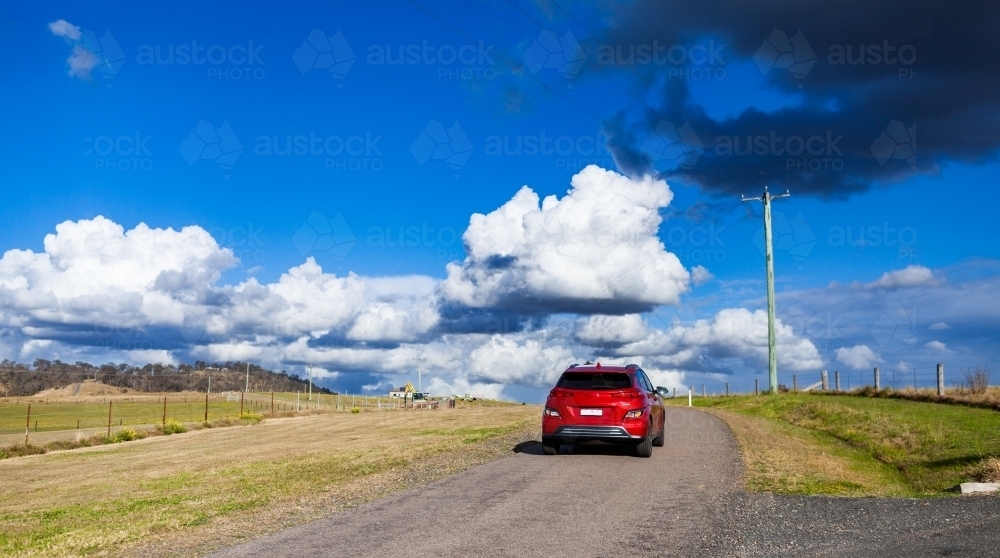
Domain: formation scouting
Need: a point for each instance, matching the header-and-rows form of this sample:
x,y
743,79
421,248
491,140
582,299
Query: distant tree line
x,y
19,380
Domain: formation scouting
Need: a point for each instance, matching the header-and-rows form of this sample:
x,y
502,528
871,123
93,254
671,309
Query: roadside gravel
x,y
764,525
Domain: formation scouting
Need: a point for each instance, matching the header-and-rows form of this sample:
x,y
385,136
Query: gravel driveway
x,y
686,500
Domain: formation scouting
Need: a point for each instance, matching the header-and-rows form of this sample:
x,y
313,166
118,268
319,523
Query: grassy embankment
x,y
857,446
232,482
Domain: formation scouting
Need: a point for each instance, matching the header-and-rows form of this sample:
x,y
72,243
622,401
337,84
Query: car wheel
x,y
658,441
645,448
550,447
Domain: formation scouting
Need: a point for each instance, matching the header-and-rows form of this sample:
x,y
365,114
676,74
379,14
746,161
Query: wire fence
x,y
75,416
916,378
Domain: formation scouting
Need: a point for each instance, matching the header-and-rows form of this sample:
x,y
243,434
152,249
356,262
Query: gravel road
x,y
686,500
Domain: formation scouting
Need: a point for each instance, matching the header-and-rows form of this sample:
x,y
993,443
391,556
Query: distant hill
x,y
19,380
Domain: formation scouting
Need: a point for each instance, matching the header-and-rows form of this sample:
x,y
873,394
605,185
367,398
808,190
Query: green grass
x,y
472,435
64,415
931,446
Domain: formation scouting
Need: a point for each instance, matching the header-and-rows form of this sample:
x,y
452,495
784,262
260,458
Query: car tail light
x,y
634,413
550,412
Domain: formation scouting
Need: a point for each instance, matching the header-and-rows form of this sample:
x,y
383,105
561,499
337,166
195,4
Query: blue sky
x,y
364,128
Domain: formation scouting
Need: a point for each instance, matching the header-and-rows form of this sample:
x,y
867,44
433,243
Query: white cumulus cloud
x,y
909,277
599,330
858,357
734,333
81,61
593,251
937,346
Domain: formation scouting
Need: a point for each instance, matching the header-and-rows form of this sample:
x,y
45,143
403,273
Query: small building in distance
x,y
400,393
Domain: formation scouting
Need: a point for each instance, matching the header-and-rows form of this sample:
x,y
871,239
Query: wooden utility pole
x,y
206,406
772,360
27,425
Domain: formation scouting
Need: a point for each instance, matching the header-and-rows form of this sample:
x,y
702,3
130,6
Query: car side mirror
x,y
662,391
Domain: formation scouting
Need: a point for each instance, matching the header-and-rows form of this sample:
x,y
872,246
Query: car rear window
x,y
594,380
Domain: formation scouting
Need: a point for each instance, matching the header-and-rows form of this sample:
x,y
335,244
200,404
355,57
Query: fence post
x,y
109,419
297,401
272,403
703,390
727,389
877,384
206,406
836,380
825,380
675,392
241,403
940,379
27,425
756,386
689,396
164,411
795,383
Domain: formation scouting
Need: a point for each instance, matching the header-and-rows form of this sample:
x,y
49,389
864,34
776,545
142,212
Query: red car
x,y
616,404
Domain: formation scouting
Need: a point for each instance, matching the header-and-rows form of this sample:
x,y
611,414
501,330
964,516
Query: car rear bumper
x,y
587,433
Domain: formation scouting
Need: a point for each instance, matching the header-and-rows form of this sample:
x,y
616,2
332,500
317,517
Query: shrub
x,y
356,410
977,380
127,435
17,450
172,427
252,418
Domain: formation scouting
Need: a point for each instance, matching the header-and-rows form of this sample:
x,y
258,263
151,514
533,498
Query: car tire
x,y
658,441
550,447
645,448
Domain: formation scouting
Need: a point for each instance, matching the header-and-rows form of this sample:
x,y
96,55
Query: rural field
x,y
65,413
856,445
207,488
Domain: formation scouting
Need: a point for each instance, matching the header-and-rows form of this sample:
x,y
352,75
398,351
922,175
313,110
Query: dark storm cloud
x,y
889,89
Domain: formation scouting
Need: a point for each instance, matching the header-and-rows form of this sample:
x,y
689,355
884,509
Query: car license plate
x,y
591,412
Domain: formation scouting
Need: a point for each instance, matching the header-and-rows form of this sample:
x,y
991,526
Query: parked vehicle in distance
x,y
616,404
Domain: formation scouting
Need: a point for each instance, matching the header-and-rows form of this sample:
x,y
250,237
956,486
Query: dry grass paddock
x,y
113,499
